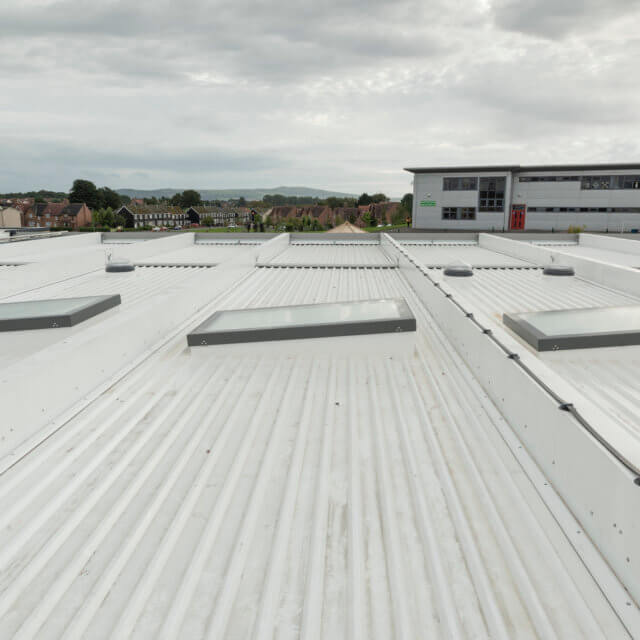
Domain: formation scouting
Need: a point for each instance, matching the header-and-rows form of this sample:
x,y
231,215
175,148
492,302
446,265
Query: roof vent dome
x,y
458,270
119,266
558,270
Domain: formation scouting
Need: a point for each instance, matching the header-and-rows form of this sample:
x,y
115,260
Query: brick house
x,y
57,214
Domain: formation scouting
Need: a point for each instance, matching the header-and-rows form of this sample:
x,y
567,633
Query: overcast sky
x,y
332,94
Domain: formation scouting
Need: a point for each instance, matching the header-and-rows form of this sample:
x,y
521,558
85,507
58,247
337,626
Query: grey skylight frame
x,y
93,306
542,341
404,322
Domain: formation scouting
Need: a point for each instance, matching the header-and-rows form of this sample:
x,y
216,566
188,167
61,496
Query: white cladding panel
x,y
565,194
428,187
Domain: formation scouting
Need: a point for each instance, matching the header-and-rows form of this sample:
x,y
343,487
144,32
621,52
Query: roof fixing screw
x,y
566,406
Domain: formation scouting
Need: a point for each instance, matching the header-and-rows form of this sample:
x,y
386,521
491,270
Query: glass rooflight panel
x,y
48,314
305,321
577,328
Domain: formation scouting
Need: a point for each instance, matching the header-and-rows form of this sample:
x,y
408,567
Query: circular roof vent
x,y
458,270
119,266
558,270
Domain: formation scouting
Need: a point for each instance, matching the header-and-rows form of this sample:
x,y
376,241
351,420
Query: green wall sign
x,y
427,203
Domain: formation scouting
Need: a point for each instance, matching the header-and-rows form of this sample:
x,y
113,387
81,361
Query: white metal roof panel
x,y
331,254
604,375
136,288
198,253
443,254
603,255
258,494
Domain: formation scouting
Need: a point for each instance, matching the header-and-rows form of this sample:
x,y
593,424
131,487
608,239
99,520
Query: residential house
x,y
153,216
221,216
57,214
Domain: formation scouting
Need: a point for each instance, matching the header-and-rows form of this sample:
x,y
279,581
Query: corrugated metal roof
x,y
256,493
441,255
199,253
498,291
137,288
605,375
331,254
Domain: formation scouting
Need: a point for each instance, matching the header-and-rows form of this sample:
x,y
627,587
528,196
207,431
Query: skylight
x,y
577,328
50,314
305,321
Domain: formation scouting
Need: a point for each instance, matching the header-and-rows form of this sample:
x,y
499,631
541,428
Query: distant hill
x,y
227,194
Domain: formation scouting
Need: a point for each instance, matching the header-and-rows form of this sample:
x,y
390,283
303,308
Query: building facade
x,y
604,197
10,217
57,214
138,217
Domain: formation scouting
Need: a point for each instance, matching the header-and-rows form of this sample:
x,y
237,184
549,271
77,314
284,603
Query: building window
x,y
625,182
460,184
584,209
549,179
458,213
596,182
491,194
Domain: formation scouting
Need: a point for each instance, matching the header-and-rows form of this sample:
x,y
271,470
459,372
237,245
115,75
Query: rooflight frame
x,y
204,336
94,305
541,341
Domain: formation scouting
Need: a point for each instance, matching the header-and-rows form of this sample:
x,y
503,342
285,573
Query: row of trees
x,y
39,196
102,198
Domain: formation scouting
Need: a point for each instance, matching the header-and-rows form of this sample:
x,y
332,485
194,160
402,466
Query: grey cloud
x,y
554,19
284,43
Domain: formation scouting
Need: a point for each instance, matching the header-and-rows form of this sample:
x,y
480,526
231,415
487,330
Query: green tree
x,y
404,210
242,201
109,198
207,221
364,199
379,197
85,191
190,198
103,217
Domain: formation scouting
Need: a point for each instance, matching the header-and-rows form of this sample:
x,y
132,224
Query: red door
x,y
518,212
